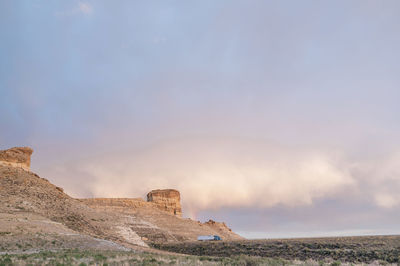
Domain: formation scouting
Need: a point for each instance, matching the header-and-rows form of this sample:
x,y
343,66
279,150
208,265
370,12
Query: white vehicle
x,y
208,238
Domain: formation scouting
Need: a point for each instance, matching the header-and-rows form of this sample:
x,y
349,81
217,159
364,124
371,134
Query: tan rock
x,y
154,224
116,203
17,157
127,221
218,225
168,200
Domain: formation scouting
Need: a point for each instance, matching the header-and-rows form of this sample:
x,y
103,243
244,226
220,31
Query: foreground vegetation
x,y
375,250
381,249
82,258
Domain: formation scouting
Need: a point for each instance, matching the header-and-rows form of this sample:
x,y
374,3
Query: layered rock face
x,y
116,203
168,200
17,157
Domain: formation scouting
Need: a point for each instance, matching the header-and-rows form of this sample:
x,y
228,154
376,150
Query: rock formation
x,y
168,200
116,203
127,221
17,157
152,223
217,225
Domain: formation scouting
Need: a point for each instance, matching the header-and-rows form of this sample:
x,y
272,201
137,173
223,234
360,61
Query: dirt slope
x,y
29,232
25,192
160,226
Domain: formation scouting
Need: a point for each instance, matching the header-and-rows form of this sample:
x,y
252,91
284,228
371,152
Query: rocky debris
x,y
17,157
222,228
130,236
168,200
217,224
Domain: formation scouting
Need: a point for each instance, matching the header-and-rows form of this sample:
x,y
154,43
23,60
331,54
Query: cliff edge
x,y
17,157
168,200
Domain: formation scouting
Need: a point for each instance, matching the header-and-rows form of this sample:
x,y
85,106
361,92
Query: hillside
x,y
160,226
39,205
31,205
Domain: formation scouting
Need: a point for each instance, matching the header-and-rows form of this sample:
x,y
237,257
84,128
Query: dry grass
x,y
76,257
384,249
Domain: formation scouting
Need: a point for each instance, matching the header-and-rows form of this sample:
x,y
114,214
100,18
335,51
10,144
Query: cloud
x,y
230,173
379,178
214,173
386,200
82,8
85,8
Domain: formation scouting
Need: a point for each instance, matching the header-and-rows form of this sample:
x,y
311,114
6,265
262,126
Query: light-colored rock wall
x,y
131,203
168,200
17,157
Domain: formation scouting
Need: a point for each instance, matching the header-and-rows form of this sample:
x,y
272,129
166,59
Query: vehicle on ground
x,y
209,238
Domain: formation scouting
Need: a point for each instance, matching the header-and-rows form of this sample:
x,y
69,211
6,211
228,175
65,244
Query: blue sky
x,y
264,114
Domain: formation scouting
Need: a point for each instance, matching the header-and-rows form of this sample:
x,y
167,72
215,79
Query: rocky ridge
x,y
159,226
17,157
166,200
128,222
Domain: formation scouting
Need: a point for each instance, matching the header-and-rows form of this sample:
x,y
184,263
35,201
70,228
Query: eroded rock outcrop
x,y
168,200
153,223
116,203
17,157
217,225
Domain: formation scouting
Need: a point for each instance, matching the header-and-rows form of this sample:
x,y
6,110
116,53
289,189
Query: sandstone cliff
x,y
17,157
168,200
159,226
117,203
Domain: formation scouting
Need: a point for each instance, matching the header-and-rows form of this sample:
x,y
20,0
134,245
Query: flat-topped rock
x,y
17,157
168,200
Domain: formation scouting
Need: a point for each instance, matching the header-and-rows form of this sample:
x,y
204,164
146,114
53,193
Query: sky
x,y
280,118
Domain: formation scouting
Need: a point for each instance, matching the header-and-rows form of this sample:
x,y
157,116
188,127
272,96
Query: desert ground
x,y
371,250
361,249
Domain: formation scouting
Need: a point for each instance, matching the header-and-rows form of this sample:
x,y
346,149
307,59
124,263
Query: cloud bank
x,y
217,173
214,174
